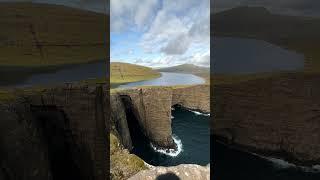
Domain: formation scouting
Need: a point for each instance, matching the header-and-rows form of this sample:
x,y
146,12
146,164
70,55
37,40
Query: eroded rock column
x,y
152,108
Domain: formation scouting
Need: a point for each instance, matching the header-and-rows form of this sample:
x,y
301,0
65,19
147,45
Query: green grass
x,y
123,164
43,35
125,73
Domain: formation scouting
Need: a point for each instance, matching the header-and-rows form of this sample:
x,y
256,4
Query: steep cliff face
x,y
193,97
151,107
58,133
119,124
21,149
183,171
278,115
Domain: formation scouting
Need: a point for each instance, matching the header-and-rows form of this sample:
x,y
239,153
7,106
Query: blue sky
x,y
159,33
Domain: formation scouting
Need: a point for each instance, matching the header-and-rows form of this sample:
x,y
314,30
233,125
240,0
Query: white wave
x,y
199,113
316,167
282,164
172,109
170,152
172,117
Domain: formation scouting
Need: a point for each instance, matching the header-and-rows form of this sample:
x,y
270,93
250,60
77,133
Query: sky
x,y
160,33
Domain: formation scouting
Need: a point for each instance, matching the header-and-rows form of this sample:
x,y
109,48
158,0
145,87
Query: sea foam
x,y
199,113
170,152
282,164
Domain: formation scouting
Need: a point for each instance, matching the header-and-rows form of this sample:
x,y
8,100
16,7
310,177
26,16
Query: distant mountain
x,y
186,68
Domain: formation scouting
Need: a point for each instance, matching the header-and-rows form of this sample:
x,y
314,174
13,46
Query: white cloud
x,y
171,29
177,26
201,59
125,13
178,45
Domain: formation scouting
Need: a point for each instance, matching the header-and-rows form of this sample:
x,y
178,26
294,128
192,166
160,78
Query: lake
x,y
168,79
69,74
243,56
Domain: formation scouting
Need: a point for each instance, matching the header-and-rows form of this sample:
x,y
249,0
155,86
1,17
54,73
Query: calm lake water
x,y
75,73
191,132
168,79
241,56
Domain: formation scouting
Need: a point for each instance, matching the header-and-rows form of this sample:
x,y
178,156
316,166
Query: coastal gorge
x,y
63,130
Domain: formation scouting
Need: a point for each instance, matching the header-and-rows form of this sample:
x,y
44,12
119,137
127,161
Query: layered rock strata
x,y
58,133
278,115
151,107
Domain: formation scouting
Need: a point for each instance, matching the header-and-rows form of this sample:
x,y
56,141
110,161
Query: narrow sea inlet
x,y
191,131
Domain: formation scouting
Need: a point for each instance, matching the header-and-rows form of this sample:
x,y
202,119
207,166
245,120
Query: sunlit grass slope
x,y
124,73
42,35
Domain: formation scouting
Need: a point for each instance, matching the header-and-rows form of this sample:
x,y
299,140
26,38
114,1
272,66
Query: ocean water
x,y
192,135
230,164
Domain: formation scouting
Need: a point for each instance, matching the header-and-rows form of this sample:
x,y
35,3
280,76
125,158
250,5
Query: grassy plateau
x,y
125,73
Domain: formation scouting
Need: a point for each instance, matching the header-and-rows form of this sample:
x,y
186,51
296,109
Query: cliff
x,y
193,97
62,132
56,133
150,108
273,115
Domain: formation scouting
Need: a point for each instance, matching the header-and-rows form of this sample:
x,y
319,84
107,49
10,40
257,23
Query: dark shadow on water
x,y
168,176
195,142
232,164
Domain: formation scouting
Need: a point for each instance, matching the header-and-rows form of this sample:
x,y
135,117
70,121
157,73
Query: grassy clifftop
x,y
42,35
124,73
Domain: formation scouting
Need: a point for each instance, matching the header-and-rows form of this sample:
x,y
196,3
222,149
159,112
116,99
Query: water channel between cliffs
x,y
190,129
191,133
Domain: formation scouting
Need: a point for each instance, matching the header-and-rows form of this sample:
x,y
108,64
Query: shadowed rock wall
x,y
152,109
278,115
33,127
